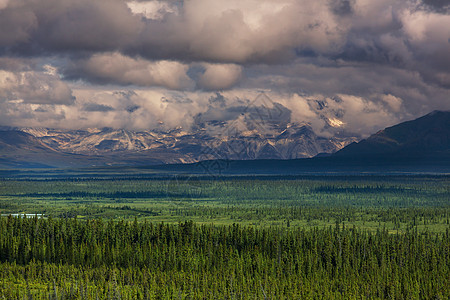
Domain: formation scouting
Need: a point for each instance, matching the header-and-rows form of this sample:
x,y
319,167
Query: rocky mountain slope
x,y
260,129
22,150
418,146
214,141
426,136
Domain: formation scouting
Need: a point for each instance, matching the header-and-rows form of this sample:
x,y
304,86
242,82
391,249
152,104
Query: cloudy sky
x,y
356,65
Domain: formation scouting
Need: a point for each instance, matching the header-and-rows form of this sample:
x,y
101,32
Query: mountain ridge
x,y
421,145
418,145
295,141
107,146
421,136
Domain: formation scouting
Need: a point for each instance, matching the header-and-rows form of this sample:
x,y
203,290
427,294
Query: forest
x,y
310,237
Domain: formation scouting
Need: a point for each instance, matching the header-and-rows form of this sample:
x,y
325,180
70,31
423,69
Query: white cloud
x,y
4,4
395,103
119,69
34,87
154,10
428,33
361,115
240,31
8,80
219,76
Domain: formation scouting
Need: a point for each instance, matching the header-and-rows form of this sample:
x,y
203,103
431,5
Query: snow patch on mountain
x,y
211,140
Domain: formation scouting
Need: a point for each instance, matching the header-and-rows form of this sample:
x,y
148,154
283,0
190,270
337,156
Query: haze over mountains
x,y
124,147
421,145
426,138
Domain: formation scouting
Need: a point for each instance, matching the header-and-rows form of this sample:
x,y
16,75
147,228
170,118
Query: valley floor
x,y
187,237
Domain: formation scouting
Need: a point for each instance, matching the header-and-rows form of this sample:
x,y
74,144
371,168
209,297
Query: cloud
x,y
20,114
342,7
217,100
83,25
242,31
442,6
34,87
140,64
428,34
115,68
200,30
12,64
310,77
3,3
153,10
97,107
338,115
394,103
234,31
219,76
17,22
404,34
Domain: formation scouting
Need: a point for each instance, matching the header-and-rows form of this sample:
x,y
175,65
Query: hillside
x,y
420,145
426,136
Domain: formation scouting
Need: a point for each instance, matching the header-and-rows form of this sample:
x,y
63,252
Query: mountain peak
x,y
437,112
422,136
229,140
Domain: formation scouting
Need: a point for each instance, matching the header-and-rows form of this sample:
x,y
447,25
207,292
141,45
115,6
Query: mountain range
x,y
417,146
37,147
422,144
427,136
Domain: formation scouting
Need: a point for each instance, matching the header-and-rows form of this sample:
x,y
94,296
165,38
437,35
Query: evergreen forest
x,y
330,237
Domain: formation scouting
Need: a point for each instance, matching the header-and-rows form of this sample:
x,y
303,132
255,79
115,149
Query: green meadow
x,y
369,202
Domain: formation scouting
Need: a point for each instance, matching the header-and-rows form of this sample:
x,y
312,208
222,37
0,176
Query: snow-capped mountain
x,y
258,129
212,140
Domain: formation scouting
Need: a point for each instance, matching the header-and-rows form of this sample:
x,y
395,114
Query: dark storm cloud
x,y
132,108
232,31
386,55
177,99
218,100
107,40
328,78
17,22
66,26
128,95
16,65
442,6
203,30
97,107
342,7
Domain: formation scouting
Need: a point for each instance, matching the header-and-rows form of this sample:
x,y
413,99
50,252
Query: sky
x,y
344,66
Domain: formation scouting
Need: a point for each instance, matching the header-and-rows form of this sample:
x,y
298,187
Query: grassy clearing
x,y
397,203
